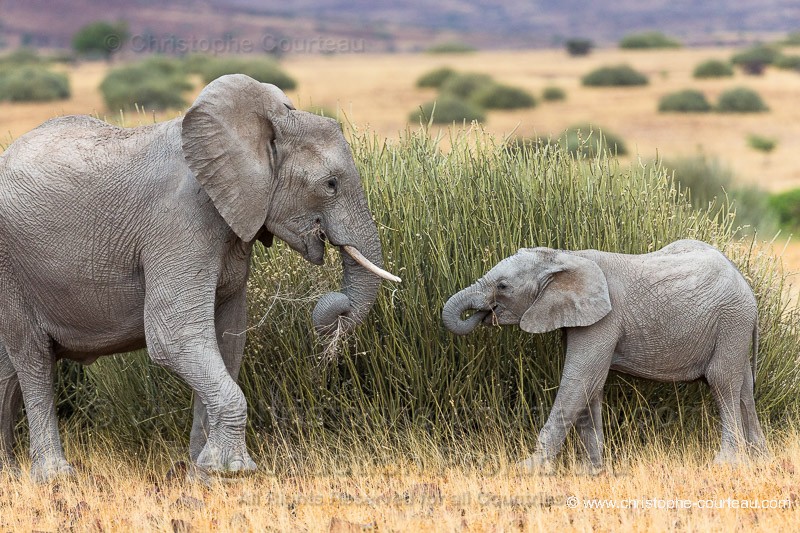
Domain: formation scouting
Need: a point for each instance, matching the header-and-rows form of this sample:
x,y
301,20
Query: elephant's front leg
x,y
231,322
585,370
590,428
181,335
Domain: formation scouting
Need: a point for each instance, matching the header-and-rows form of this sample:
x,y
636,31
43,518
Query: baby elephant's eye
x,y
332,183
502,286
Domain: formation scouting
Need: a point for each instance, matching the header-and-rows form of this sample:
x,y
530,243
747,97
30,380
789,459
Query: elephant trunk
x,y
459,303
343,311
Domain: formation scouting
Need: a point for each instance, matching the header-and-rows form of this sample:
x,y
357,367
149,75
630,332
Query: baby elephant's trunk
x,y
458,304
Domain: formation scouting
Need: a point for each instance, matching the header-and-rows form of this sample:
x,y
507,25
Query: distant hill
x,y
306,26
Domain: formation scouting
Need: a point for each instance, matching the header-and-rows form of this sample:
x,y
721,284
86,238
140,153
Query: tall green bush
x,y
467,84
445,217
755,59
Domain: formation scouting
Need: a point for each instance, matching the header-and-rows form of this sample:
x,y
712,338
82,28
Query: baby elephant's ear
x,y
572,293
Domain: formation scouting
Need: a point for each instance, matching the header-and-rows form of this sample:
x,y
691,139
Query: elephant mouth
x,y
491,318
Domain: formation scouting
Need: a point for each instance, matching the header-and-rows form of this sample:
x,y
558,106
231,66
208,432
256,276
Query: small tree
x,y
579,47
100,39
762,144
754,60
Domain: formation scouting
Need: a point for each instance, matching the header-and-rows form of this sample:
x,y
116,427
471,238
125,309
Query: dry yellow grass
x,y
656,490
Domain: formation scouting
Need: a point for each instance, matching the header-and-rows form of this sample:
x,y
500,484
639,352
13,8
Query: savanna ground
x,y
651,484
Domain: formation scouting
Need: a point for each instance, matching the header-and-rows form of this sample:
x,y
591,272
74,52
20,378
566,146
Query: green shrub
x,y
197,63
446,109
647,40
713,68
451,48
435,78
553,94
685,101
263,69
711,182
156,83
754,60
21,56
788,62
786,206
498,96
579,47
792,39
32,83
614,76
100,39
741,100
761,143
445,216
466,85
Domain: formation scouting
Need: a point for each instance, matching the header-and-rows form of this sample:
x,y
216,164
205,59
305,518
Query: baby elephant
x,y
678,314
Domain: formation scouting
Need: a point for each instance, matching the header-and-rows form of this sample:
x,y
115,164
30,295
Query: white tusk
x,y
369,265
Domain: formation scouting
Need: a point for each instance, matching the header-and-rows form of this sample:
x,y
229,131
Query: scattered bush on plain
x,y
263,69
554,94
156,83
446,109
741,100
614,76
685,101
435,78
713,68
648,40
32,83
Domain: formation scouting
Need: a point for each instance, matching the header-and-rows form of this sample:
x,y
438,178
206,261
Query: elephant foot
x,y
592,469
537,464
727,458
47,470
217,459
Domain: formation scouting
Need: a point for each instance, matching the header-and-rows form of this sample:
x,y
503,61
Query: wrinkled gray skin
x,y
679,314
115,239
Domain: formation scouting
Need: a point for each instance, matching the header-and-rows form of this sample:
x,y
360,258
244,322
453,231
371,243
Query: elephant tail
x,y
755,353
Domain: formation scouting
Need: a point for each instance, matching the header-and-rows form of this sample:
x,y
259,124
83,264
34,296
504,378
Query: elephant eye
x,y
502,286
332,184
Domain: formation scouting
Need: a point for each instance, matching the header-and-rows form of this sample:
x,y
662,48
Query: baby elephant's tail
x,y
755,353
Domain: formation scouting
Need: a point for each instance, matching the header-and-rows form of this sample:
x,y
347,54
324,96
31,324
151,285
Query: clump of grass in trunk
x,y
445,217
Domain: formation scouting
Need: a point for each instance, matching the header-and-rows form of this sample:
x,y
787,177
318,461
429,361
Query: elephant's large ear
x,y
228,138
573,292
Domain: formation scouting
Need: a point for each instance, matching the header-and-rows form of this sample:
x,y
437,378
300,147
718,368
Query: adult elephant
x,y
115,239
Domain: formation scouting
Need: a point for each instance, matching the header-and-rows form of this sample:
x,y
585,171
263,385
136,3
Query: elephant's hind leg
x,y
10,400
753,434
725,376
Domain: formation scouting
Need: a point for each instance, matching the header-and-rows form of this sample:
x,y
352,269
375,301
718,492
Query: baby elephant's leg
x,y
590,429
725,376
585,372
753,434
